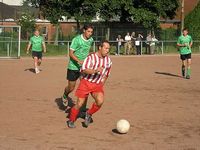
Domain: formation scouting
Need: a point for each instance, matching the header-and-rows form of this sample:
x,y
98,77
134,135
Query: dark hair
x,y
87,26
100,44
185,29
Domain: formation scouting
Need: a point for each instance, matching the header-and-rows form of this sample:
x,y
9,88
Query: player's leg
x,y
36,64
39,59
81,92
189,61
183,60
74,112
39,62
99,99
68,89
183,67
72,76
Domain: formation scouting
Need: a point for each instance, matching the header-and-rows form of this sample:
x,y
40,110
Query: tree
x,y
192,22
51,10
54,10
145,12
26,21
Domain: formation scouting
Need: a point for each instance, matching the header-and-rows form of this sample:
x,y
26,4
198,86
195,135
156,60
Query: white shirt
x,y
127,38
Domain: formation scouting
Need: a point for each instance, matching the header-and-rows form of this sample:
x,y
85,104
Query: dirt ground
x,y
148,91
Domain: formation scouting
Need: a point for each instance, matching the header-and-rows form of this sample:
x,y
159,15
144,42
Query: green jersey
x,y
185,40
81,48
36,42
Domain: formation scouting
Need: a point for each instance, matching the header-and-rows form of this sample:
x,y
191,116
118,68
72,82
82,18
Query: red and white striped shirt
x,y
93,61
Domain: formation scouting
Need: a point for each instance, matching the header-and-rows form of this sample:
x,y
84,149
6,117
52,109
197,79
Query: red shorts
x,y
85,88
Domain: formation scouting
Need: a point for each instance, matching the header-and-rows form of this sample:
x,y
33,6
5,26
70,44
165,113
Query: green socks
x,y
64,96
188,71
183,71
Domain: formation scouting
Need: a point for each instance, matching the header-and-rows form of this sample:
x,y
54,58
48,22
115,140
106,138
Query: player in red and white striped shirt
x,y
96,69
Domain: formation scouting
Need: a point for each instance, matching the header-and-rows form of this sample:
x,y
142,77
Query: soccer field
x,y
148,91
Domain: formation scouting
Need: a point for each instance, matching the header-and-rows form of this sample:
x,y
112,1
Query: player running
x,y
79,50
36,44
95,69
185,43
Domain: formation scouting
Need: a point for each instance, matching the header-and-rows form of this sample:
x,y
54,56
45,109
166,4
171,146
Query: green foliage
x,y
192,21
27,23
144,12
168,34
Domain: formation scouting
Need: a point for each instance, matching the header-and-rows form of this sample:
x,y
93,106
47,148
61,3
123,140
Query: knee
x,y
71,87
99,103
79,103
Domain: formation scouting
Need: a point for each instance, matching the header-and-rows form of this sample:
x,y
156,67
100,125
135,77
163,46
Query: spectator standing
x,y
148,42
127,44
119,44
138,44
133,38
153,45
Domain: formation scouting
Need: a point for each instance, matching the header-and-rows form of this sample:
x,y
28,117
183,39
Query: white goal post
x,y
10,41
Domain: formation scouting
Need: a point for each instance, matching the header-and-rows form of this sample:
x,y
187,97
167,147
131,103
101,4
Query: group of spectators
x,y
132,42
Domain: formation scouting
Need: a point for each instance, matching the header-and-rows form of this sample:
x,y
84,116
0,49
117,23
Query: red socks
x,y
73,114
93,109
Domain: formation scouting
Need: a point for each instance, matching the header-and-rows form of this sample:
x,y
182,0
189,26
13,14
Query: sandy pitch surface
x,y
162,107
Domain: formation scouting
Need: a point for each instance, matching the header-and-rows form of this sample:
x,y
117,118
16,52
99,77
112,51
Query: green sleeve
x,y
179,41
74,44
191,40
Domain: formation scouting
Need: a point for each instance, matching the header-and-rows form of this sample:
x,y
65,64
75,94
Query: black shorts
x,y
37,54
73,75
185,56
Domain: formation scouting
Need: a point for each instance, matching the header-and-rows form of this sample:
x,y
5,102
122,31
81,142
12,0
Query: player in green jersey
x,y
79,50
36,44
185,43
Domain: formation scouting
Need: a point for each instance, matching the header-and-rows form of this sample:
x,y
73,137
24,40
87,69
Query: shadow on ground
x,y
168,74
30,69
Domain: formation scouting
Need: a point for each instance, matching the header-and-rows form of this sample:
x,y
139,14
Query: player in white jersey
x,y
96,69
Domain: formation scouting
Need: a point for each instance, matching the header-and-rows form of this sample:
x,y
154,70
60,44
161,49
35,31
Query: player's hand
x,y
80,62
99,69
45,51
27,52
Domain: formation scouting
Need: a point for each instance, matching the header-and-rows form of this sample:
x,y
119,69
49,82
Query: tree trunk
x,y
78,30
56,37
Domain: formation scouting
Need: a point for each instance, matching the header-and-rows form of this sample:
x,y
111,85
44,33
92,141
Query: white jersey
x,y
93,61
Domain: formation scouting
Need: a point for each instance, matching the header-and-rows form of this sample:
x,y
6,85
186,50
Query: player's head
x,y
104,48
185,31
87,31
36,32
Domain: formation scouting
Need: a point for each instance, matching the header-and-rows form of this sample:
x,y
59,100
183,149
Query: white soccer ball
x,y
123,126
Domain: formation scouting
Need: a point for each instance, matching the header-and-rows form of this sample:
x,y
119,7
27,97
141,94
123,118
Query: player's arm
x,y
93,71
87,67
44,47
28,47
107,73
71,55
104,79
191,43
181,45
74,45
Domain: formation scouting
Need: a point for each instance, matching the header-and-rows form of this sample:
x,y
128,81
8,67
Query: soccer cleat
x,y
88,119
187,77
37,70
71,124
183,73
64,101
